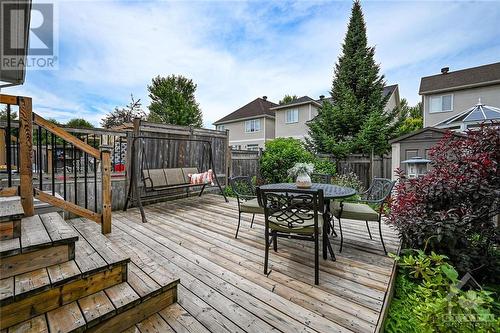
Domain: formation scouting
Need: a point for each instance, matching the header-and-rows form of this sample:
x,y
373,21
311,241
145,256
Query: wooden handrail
x,y
8,99
54,129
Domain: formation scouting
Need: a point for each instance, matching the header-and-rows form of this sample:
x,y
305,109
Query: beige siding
x,y
392,102
238,137
462,100
299,129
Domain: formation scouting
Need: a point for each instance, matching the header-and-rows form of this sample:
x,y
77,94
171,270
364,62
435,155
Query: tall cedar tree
x,y
173,101
356,113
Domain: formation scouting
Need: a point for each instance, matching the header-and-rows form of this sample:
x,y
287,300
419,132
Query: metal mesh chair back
x,y
321,178
379,190
242,186
292,208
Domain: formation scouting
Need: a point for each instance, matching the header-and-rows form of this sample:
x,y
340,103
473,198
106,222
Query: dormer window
x,y
443,103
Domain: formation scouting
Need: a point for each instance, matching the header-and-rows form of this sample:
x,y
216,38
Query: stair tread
x,y
36,324
96,306
173,318
59,230
10,208
87,261
67,318
125,299
33,281
9,247
108,251
33,234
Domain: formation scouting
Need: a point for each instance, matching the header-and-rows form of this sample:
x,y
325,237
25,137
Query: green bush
x,y
349,180
281,154
426,299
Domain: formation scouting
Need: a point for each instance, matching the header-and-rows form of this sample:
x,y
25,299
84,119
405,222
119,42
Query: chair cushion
x,y
156,178
307,228
354,211
188,171
251,206
174,176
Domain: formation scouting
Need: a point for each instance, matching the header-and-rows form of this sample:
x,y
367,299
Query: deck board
x,y
222,283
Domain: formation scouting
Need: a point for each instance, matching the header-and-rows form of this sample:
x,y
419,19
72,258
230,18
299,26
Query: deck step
x,y
174,318
45,240
11,213
110,310
36,292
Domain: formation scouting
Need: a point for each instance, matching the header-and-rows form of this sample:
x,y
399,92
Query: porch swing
x,y
157,182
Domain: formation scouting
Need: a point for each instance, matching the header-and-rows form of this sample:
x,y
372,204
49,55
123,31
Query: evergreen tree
x,y
287,99
173,101
357,93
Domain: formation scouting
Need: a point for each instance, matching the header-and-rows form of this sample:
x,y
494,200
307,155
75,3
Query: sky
x,y
236,51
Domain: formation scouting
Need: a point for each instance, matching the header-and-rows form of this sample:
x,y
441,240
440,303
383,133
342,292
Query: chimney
x,y
321,97
445,70
264,98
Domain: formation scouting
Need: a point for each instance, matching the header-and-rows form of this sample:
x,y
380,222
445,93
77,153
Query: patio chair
x,y
321,178
369,207
247,200
296,214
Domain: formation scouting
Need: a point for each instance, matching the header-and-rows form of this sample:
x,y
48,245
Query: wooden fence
x,y
244,163
362,166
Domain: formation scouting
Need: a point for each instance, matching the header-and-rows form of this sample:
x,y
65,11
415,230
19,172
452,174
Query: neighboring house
x,y
448,94
250,126
415,144
292,118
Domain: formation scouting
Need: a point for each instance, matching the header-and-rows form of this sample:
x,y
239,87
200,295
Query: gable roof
x,y
476,114
425,129
257,107
465,78
389,90
299,101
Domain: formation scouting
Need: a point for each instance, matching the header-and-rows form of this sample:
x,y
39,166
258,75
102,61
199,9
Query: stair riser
x,y
10,229
134,315
26,262
48,300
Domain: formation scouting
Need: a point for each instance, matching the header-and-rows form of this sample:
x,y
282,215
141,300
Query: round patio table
x,y
330,192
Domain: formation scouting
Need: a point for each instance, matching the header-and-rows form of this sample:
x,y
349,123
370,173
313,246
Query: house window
x,y
292,116
441,103
220,127
253,147
252,125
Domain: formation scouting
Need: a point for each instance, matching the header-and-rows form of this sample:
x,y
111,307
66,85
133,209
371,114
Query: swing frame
x,y
134,192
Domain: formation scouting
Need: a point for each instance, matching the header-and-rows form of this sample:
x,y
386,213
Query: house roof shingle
x,y
476,76
298,101
257,107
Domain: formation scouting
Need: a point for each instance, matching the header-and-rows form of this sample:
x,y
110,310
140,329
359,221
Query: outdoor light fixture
x,y
416,166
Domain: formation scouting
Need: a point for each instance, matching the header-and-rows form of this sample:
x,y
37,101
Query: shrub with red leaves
x,y
454,205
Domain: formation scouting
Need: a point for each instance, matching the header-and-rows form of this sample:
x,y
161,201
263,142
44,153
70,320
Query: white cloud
x,y
237,51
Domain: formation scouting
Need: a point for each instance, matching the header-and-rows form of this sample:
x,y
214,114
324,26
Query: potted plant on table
x,y
302,174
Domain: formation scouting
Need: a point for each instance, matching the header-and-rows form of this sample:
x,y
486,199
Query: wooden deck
x,y
222,286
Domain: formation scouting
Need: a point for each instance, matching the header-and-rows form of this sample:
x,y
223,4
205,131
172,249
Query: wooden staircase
x,y
60,276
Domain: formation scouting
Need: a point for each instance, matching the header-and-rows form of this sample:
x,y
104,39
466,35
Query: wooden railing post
x,y
26,154
106,189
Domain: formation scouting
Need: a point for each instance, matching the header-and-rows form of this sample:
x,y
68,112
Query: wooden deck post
x,y
106,189
26,154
